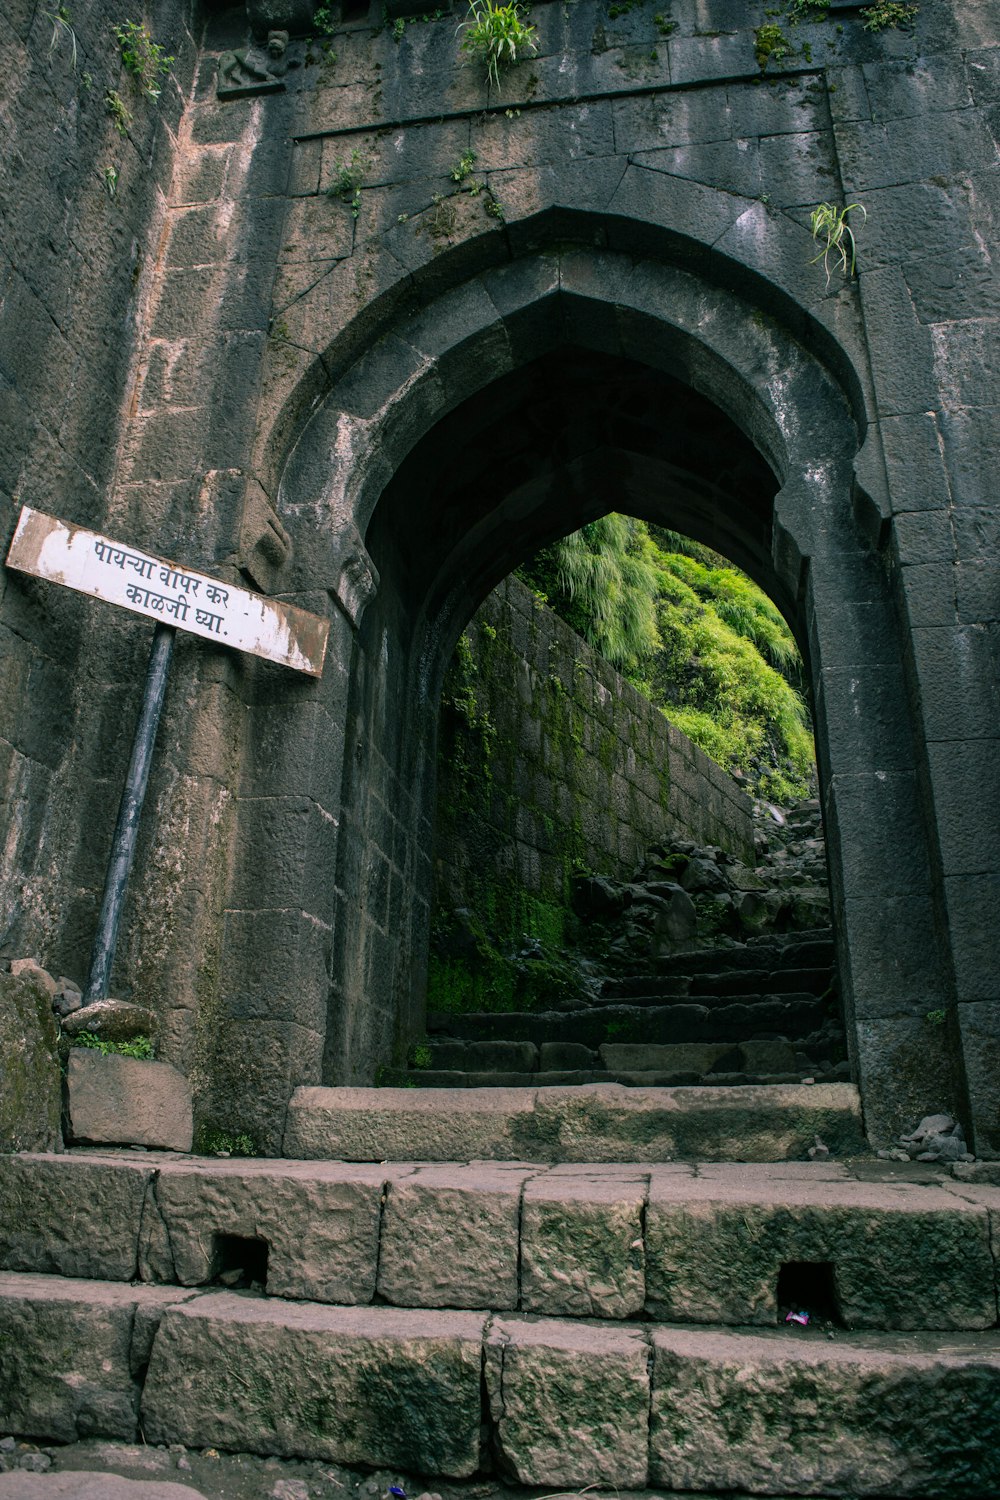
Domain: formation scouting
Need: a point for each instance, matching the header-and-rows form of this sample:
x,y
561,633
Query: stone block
x,y
450,1238
71,1215
76,1484
125,1101
29,1079
606,1122
582,1246
354,1124
780,1415
378,1386
71,1355
111,1020
320,1223
901,1257
570,1401
517,1057
666,1057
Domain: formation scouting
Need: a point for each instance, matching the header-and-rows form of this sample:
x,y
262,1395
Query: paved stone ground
x,y
245,1476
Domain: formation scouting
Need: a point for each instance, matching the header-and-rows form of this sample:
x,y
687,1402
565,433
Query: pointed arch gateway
x,y
515,406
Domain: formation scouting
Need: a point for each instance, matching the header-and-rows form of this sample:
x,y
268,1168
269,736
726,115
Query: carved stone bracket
x,y
357,583
264,545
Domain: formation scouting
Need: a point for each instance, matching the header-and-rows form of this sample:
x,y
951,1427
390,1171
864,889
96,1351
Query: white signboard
x,y
164,591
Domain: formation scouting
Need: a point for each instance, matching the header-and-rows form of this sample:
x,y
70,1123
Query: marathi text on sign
x,y
151,586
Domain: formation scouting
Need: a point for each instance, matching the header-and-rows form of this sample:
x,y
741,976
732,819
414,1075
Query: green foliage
x,y
323,20
602,580
695,636
806,10
211,1142
712,679
139,1046
496,35
62,29
346,185
886,13
420,1056
143,58
829,224
935,1017
463,167
110,175
770,44
119,111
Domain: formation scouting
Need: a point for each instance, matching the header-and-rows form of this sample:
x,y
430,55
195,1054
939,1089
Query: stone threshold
x,y
589,1123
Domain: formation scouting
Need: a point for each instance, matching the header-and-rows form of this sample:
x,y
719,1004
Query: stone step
x,y
599,1122
417,1078
871,1244
692,1020
808,948
647,989
629,1058
551,1401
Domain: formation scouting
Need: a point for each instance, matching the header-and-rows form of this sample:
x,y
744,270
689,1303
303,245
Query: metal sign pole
x,y
129,812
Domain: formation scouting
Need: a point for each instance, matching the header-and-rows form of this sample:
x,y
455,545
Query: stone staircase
x,y
562,1324
573,1270
764,1012
672,1007
567,1325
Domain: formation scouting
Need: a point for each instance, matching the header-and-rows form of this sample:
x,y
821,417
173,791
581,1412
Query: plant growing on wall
x,y
144,60
346,184
497,35
886,13
61,29
829,225
118,110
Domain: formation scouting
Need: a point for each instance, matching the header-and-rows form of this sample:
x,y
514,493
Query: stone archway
x,y
370,468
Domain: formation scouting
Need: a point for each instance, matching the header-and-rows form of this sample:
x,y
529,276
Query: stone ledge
x,y
768,1413
72,1354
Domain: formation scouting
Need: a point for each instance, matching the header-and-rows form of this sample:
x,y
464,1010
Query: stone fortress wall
x,y
375,404
550,762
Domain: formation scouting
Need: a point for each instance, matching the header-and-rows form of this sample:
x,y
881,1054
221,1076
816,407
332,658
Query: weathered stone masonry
x,y
378,417
541,738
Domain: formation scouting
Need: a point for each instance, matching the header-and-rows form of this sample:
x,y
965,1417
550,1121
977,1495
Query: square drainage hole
x,y
240,1261
809,1286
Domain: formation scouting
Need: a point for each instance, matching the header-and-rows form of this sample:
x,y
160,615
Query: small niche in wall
x,y
809,1286
240,1261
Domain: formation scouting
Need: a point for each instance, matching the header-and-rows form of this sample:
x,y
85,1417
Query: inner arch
x,y
540,452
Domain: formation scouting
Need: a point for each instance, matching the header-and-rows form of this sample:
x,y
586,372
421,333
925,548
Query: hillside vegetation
x,y
695,635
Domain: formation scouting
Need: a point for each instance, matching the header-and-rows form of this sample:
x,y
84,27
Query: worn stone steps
x,y
728,1077
691,1020
550,1401
806,948
572,1325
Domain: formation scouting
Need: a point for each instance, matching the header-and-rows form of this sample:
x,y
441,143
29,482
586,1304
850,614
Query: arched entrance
x,y
523,403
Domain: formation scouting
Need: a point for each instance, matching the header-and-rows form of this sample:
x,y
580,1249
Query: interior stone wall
x,y
548,760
